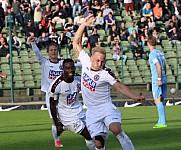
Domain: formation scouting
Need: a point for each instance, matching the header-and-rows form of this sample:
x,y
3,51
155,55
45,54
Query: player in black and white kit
x,y
64,91
101,114
51,68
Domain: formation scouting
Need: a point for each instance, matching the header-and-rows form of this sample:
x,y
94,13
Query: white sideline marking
x,y
8,109
43,108
131,105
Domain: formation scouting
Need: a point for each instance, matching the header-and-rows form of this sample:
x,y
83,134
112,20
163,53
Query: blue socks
x,y
161,113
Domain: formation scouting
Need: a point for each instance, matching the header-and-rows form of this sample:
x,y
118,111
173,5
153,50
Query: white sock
x,y
125,141
54,133
90,144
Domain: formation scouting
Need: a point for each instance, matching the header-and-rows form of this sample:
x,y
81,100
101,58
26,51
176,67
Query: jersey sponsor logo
x,y
53,74
71,98
88,82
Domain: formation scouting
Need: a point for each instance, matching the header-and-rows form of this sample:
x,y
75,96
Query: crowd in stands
x,y
42,19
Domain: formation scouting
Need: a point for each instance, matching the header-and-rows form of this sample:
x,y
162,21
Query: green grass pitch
x,y
31,130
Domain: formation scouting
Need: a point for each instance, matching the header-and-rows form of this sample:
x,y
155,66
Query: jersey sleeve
x,y
153,58
39,56
109,78
84,58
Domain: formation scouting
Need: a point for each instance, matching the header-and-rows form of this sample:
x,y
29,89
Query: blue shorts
x,y
158,91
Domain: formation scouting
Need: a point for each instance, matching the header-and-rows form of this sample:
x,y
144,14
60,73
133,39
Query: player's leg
x,y
159,93
56,138
89,141
124,140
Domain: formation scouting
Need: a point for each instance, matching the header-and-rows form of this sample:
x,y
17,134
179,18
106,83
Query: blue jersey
x,y
154,57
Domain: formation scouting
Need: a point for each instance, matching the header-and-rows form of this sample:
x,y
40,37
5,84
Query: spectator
x,y
99,23
84,40
25,5
4,48
176,10
69,29
5,4
113,33
96,7
156,35
78,20
117,50
94,40
107,10
53,37
2,17
16,43
43,40
77,4
46,14
50,26
53,3
110,20
175,37
142,24
39,30
151,24
137,50
129,5
147,11
123,31
133,27
169,29
29,28
144,37
158,13
58,16
34,4
38,15
134,37
153,3
64,41
87,11
120,6
16,5
167,9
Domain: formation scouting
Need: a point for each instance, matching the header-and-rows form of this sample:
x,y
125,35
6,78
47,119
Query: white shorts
x,y
99,119
76,125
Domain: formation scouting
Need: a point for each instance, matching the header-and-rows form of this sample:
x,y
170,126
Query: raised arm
x,y
125,91
88,21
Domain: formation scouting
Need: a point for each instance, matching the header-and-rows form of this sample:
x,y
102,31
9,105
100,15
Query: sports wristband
x,y
159,79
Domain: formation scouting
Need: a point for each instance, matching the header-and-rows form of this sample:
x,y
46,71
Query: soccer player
x,y
51,68
159,80
64,91
95,84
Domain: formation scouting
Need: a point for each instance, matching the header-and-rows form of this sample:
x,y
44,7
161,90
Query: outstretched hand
x,y
141,99
89,21
30,39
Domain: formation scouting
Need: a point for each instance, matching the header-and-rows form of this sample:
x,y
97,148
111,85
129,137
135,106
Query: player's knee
x,y
99,141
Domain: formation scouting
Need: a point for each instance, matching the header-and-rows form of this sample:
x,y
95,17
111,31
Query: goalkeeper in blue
x,y
159,80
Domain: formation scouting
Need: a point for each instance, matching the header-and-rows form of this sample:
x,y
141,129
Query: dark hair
x,y
67,61
52,44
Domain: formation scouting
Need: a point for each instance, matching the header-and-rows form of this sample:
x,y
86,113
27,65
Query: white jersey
x,y
69,107
49,70
95,85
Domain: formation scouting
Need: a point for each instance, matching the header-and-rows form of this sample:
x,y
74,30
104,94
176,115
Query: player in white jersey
x,y
64,91
95,84
51,68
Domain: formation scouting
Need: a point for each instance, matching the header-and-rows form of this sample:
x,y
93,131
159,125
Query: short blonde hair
x,y
99,50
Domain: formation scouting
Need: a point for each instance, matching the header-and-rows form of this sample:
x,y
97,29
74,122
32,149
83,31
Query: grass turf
x,y
31,130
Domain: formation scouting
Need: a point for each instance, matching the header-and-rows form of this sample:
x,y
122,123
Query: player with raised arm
x,y
95,84
51,68
159,80
64,91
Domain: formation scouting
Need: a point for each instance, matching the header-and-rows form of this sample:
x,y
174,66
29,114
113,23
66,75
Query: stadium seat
x,y
29,83
19,84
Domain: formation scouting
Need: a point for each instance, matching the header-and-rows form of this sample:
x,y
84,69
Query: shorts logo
x,y
53,74
96,77
88,82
